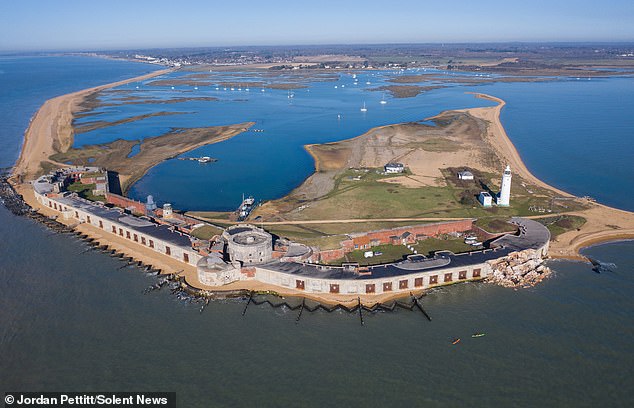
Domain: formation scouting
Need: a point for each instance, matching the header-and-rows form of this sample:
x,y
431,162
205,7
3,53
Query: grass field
x,y
206,232
557,225
365,195
395,253
85,191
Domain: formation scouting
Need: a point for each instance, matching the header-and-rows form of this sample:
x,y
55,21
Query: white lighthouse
x,y
504,197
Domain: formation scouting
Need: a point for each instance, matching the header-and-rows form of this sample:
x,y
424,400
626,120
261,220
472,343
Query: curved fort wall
x,y
402,277
394,284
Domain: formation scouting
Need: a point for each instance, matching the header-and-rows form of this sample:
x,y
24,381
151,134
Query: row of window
x,y
402,284
128,235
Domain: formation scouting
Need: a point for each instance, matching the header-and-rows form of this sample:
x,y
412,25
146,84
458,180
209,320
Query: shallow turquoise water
x,y
75,321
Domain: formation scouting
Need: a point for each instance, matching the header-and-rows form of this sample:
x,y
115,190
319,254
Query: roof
x,y
143,226
441,261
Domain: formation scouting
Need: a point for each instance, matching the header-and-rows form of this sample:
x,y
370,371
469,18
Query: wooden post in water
x,y
420,307
301,310
249,301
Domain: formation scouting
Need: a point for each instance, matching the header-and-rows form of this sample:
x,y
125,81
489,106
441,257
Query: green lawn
x,y
85,191
394,253
206,232
557,225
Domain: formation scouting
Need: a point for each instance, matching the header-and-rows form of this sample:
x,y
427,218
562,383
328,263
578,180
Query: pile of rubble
x,y
519,269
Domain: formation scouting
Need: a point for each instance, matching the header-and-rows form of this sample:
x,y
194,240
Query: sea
x,y
75,320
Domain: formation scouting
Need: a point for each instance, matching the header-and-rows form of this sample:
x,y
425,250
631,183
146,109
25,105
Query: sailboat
x,y
364,109
383,101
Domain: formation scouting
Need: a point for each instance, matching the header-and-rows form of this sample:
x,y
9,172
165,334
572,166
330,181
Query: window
x,y
143,240
114,229
76,214
100,224
387,286
151,244
185,257
418,282
299,284
127,234
403,284
448,277
370,288
433,279
334,288
168,251
88,218
121,231
462,275
476,273
136,238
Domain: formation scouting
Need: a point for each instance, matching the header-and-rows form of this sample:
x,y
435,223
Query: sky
x,y
115,24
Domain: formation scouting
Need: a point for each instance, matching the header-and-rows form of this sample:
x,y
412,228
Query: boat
x,y
383,101
456,340
474,335
364,109
245,208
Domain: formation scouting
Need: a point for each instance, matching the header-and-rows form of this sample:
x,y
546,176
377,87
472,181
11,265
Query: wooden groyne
x,y
176,283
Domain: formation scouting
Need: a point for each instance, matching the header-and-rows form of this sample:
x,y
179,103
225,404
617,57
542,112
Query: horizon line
x,y
309,45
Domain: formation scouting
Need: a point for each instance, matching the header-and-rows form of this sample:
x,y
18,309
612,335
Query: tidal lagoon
x,y
77,320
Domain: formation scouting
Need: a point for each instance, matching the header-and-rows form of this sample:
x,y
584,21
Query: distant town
x,y
446,56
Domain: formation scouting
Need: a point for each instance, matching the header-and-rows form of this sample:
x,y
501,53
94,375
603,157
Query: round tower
x,y
504,198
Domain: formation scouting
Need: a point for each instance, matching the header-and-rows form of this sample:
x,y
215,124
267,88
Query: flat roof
x,y
158,231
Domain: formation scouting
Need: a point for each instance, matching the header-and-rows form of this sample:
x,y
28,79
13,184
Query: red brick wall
x,y
250,272
331,255
430,230
383,236
124,202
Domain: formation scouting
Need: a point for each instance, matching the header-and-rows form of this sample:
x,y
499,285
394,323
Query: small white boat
x,y
383,101
364,109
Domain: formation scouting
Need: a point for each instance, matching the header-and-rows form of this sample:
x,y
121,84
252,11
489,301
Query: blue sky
x,y
72,24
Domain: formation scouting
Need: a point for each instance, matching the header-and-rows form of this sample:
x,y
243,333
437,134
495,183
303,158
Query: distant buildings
x,y
485,199
393,168
465,175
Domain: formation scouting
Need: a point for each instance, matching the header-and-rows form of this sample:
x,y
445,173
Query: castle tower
x,y
504,197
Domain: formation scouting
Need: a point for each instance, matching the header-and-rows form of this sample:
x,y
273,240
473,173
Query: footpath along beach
x,y
51,131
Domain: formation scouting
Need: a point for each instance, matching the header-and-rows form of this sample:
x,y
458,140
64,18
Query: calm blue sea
x,y
75,320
